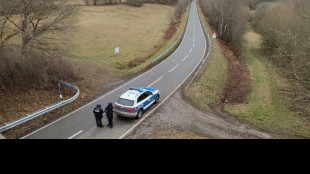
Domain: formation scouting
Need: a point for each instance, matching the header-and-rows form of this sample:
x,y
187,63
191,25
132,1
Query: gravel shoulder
x,y
177,119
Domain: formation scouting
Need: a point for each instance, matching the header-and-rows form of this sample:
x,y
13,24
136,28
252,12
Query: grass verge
x,y
208,87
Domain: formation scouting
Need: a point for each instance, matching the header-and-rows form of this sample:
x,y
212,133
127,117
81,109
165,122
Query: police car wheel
x,y
140,113
157,99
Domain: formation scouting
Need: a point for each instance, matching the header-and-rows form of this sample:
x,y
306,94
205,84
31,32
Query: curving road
x,y
166,76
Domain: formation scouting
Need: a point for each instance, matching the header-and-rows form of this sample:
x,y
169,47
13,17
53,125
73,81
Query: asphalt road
x,y
166,76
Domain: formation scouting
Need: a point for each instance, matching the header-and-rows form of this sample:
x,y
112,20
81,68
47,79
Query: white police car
x,y
135,101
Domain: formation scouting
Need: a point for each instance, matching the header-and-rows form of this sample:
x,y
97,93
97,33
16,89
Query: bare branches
x,y
179,9
36,18
284,26
229,19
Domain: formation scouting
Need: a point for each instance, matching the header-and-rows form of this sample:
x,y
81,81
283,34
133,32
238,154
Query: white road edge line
x,y
155,81
75,135
191,50
136,125
173,68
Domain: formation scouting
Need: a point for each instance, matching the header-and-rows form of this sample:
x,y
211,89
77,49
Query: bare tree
x,y
7,8
286,38
285,30
179,9
229,18
171,18
37,19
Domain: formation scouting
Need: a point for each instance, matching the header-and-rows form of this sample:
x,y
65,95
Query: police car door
x,y
141,100
148,100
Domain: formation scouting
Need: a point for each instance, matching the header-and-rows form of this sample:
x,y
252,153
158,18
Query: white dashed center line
x,y
184,58
155,81
174,68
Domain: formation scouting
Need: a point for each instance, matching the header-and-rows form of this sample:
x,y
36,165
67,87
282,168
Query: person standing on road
x,y
109,112
98,114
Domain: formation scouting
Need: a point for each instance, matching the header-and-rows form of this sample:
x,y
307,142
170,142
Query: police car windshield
x,y
125,102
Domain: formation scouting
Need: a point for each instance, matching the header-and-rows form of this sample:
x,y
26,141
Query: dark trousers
x,y
110,119
98,121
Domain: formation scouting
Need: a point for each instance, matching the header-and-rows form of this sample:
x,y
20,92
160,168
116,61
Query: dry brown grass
x,y
137,31
77,2
15,105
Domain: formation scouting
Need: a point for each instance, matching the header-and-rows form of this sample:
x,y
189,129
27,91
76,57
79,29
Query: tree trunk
x,y
2,30
24,45
25,32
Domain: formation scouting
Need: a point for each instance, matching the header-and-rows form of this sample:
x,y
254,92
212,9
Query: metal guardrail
x,y
42,111
208,54
174,44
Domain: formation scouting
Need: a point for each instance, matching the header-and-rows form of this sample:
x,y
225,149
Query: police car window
x,y
125,102
148,93
142,97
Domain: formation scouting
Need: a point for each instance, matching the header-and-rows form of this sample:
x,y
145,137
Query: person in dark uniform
x,y
109,112
98,114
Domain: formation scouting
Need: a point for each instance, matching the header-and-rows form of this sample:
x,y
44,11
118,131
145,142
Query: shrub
x,y
33,72
136,3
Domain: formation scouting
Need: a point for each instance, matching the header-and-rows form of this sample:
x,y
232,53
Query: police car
x,y
135,101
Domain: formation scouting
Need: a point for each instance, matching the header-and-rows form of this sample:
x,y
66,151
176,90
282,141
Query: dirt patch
x,y
178,133
239,84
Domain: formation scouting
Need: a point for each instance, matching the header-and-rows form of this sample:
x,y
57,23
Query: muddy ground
x,y
177,119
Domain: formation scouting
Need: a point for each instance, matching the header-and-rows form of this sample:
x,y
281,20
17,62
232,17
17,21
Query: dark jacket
x,y
98,111
109,110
